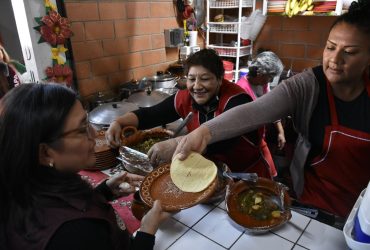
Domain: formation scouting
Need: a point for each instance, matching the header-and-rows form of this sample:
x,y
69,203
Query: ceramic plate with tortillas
x,y
194,174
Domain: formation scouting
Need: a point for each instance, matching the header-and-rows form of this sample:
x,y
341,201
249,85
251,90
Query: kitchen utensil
x,y
147,98
158,185
163,82
279,200
102,116
131,137
182,124
101,97
251,177
309,212
253,225
105,155
134,161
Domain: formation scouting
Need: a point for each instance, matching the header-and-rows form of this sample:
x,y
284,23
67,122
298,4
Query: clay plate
x,y
158,185
251,224
130,136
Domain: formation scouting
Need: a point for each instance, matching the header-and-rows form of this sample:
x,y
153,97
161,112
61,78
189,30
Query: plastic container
x,y
243,72
228,66
361,229
348,229
229,75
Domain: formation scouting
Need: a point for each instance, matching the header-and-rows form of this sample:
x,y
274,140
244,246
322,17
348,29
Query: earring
x,y
51,164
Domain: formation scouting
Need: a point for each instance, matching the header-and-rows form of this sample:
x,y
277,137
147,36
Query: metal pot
x,y
102,116
147,98
100,98
164,82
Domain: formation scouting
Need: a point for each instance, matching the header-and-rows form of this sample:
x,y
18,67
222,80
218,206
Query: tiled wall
x,y
118,40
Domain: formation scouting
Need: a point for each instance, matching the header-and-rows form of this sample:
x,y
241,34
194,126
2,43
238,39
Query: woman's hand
x,y
124,183
196,141
281,141
113,134
162,152
151,221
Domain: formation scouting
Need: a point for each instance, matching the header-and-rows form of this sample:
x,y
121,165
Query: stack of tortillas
x,y
194,174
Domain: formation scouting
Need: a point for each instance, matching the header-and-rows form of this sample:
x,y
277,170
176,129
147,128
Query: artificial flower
x,y
55,53
59,74
56,29
50,5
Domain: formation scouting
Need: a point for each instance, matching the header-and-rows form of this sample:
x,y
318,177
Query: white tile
x,y
293,229
261,242
321,236
194,241
297,247
192,215
168,232
222,205
218,226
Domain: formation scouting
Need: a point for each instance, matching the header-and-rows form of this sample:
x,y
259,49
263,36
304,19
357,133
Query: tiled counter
x,y
208,227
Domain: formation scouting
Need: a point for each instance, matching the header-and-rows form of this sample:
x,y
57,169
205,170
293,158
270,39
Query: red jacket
x,y
239,153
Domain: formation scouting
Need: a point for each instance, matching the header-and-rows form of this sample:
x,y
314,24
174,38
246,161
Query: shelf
x,y
228,51
229,4
320,8
225,37
223,27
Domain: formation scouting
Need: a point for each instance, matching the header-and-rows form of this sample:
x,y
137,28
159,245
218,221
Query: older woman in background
x,y
261,72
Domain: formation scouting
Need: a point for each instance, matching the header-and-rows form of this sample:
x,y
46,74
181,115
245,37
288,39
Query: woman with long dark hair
x,y
45,141
9,76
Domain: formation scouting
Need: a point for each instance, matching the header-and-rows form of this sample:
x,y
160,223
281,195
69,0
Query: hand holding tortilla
x,y
194,174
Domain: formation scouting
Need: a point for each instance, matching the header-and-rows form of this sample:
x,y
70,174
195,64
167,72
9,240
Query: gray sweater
x,y
295,97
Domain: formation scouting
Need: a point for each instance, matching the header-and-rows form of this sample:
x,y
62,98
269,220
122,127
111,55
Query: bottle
x,y
186,35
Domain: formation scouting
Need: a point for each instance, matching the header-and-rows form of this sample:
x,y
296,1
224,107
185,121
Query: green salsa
x,y
258,205
145,145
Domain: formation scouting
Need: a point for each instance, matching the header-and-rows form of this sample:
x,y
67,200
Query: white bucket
x,y
362,222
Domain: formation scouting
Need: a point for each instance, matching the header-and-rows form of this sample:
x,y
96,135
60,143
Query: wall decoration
x,y
55,30
59,73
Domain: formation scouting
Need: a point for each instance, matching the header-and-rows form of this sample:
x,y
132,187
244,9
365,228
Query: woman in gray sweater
x,y
330,107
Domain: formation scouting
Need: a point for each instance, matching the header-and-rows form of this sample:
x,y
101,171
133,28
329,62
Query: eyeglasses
x,y
85,130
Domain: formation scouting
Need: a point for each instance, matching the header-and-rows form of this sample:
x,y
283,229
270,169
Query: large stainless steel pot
x,y
147,98
102,116
163,82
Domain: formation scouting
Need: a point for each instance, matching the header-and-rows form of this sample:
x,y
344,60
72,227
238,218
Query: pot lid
x,y
145,99
161,77
106,113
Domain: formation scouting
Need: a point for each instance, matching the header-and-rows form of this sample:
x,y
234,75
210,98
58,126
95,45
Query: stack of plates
x,y
105,156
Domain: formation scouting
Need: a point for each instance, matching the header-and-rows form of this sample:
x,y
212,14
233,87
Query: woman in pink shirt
x,y
263,69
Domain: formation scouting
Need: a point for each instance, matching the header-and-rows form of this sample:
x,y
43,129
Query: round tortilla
x,y
194,174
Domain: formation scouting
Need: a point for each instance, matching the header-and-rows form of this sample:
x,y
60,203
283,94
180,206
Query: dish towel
x,y
121,205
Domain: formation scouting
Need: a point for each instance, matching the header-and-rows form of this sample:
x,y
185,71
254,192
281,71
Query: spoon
x,y
251,177
182,124
279,200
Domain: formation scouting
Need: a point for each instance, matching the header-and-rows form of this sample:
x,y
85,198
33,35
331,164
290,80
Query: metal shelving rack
x,y
234,28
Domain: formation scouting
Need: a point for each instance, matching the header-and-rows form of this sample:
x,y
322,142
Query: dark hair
x,y
358,15
30,114
208,59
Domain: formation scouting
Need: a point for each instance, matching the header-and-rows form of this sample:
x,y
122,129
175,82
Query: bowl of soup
x,y
253,205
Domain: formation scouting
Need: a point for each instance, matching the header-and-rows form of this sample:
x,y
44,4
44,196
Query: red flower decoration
x,y
59,74
56,29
